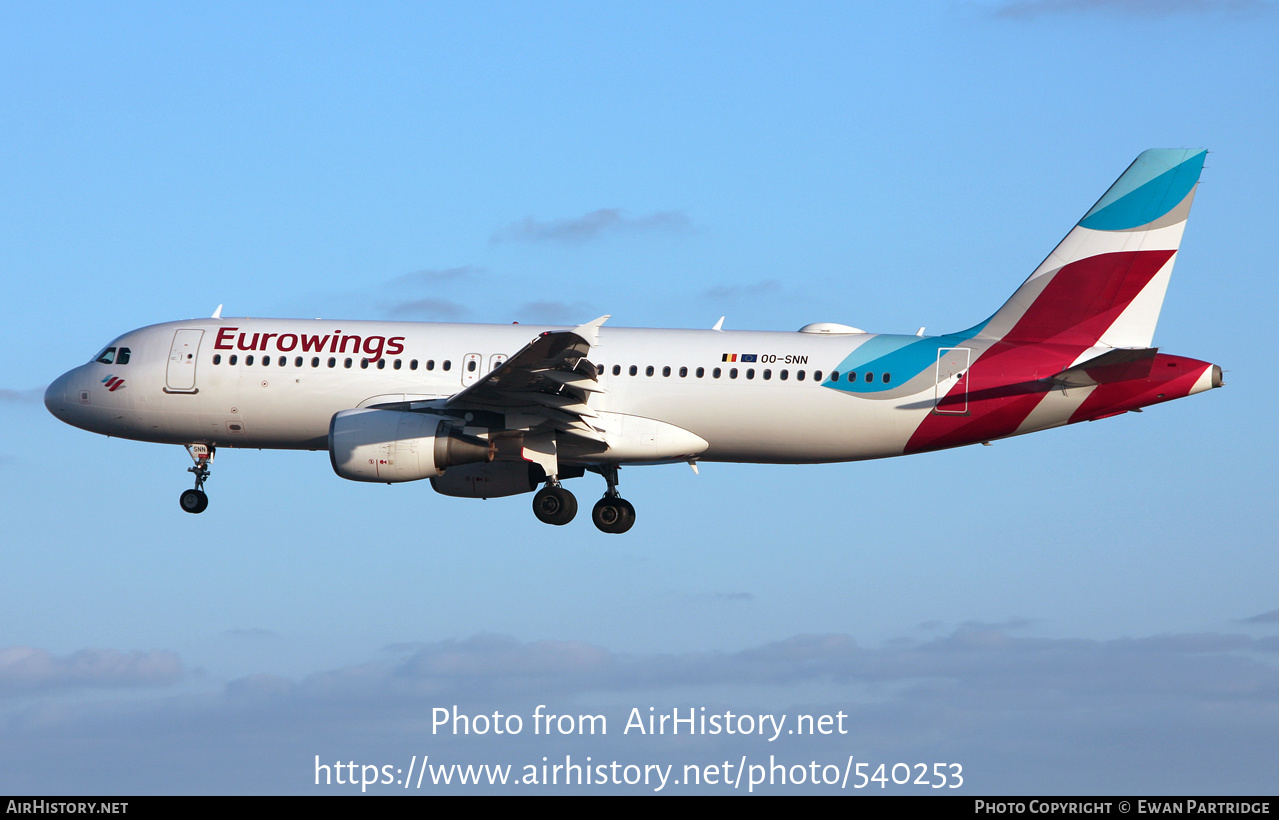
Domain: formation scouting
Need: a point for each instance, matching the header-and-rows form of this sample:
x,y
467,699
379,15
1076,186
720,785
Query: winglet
x,y
217,314
719,325
591,330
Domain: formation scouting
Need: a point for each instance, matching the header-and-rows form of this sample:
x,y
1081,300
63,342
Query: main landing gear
x,y
612,513
555,505
195,501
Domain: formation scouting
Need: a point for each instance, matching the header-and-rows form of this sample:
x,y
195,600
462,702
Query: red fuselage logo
x,y
372,346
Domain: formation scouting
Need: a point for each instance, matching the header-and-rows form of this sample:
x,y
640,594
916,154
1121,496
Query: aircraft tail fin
x,y
1104,284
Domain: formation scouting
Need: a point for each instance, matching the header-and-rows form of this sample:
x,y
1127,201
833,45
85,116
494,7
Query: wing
x,y
550,380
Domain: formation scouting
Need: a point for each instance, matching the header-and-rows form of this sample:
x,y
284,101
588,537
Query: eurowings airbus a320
x,y
483,411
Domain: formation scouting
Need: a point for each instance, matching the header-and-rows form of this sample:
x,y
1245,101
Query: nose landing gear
x,y
195,501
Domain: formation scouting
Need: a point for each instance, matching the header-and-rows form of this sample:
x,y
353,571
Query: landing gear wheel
x,y
613,514
554,505
194,501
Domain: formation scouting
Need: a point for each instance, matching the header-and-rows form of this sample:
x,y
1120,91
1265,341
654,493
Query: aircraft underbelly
x,y
817,426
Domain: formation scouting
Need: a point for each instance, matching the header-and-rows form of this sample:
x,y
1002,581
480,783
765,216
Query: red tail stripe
x,y
1085,298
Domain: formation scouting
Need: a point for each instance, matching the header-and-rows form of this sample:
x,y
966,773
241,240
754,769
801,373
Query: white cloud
x,y
429,307
31,396
734,292
25,670
1019,713
591,226
436,276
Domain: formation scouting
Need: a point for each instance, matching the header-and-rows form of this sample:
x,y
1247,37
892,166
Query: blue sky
x,y
1089,609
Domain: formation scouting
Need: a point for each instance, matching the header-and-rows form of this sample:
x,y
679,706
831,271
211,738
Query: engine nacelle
x,y
496,480
392,445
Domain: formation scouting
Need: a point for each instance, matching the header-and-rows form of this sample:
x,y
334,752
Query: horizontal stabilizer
x,y
1113,366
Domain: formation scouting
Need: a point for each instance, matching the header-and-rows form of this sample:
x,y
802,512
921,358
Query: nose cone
x,y
55,396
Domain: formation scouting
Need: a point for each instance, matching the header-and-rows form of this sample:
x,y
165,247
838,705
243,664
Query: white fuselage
x,y
276,395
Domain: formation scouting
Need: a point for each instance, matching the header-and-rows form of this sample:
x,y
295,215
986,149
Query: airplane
x,y
483,411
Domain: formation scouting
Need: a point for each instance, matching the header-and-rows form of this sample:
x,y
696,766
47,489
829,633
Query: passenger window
x,y
834,375
430,364
715,373
217,358
333,362
599,371
768,374
284,360
870,377
470,366
817,375
701,371
315,361
233,358
732,373
683,372
785,374
248,360
266,361
750,372
297,362
381,364
448,365
799,376
397,364
617,370
347,363
852,376
648,371
122,356
106,357
413,364
886,377
364,364
666,371
634,370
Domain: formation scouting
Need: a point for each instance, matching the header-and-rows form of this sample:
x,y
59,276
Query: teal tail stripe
x,y
1146,191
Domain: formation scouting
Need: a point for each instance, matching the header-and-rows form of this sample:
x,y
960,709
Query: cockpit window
x,y
113,356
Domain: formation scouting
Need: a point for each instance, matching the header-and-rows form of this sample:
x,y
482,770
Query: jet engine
x,y
393,445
